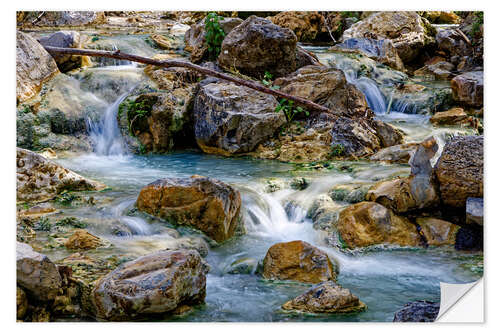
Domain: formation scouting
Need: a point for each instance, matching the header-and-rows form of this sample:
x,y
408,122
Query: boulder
x,y
325,86
203,203
468,88
195,41
36,273
452,43
474,211
381,50
438,232
326,297
161,41
70,18
409,32
352,193
441,70
39,179
451,117
307,26
21,303
324,213
231,119
154,284
356,137
257,46
418,311
395,154
66,39
298,261
34,66
82,240
369,223
459,170
469,238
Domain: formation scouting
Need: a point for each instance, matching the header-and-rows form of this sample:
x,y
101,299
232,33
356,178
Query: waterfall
x,y
369,88
105,134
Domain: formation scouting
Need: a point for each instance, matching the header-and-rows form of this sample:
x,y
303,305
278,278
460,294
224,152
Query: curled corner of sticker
x,y
462,302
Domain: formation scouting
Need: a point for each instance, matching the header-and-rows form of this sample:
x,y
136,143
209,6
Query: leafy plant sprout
x,y
214,34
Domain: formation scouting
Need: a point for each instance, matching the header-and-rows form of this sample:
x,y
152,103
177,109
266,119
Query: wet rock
x,y
83,240
299,183
153,284
442,70
324,213
305,58
407,30
298,261
66,39
307,26
195,41
356,137
474,211
243,266
351,193
388,134
21,303
231,119
256,46
395,154
325,86
200,202
34,66
468,88
418,311
438,232
39,179
189,243
326,297
36,273
451,117
162,41
459,170
452,43
369,223
469,239
381,50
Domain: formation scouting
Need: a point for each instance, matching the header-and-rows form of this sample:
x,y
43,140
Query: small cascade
x,y
370,89
105,134
135,224
104,62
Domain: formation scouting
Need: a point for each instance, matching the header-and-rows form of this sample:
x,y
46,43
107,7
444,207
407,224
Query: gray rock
x,y
243,266
36,273
418,311
468,88
66,39
474,210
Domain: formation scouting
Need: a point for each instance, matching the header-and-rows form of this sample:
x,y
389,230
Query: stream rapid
x,y
385,280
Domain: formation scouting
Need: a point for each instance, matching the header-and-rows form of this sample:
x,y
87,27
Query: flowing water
x,y
384,280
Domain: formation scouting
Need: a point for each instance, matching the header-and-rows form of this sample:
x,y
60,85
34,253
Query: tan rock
x,y
326,297
203,203
307,26
369,223
468,88
451,117
395,154
21,303
83,240
162,41
438,232
298,261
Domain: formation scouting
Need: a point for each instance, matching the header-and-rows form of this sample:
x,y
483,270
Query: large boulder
x,y
298,261
381,50
307,26
231,119
369,223
66,39
459,170
468,88
407,30
67,18
418,311
195,41
326,297
257,46
39,179
203,203
34,66
154,284
36,273
355,136
438,232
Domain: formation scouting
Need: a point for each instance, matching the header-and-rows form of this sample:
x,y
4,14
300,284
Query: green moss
x,y
71,221
337,150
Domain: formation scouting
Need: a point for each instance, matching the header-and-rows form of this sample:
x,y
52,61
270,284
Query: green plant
x,y
43,224
478,22
214,34
66,198
337,150
95,38
268,81
289,109
71,221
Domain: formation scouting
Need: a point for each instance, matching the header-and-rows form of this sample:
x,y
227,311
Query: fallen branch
x,y
460,32
311,106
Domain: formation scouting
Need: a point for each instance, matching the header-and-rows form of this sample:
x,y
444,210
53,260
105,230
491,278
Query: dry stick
x,y
176,63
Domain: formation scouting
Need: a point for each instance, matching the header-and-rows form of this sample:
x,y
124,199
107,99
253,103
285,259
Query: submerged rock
x,y
326,297
369,223
459,170
39,179
474,211
298,261
200,202
157,283
243,266
231,119
256,46
438,232
468,88
66,39
36,273
82,239
418,311
324,213
195,41
407,30
34,66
